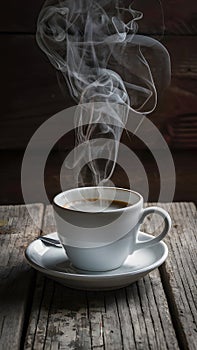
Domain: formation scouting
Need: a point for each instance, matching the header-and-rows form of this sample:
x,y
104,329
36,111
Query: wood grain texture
x,y
59,315
96,310
17,230
154,328
180,17
31,93
36,333
135,318
180,271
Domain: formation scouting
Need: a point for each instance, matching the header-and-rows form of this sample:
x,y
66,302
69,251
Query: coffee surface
x,y
95,205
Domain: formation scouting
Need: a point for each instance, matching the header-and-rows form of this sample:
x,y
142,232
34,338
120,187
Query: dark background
x,y
30,94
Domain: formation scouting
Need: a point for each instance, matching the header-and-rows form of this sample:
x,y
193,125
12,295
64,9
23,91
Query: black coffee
x,y
96,205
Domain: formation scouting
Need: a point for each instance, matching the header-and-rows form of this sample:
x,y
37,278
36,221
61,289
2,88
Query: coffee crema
x,y
96,205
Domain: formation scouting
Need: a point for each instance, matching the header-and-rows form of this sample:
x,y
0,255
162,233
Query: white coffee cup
x,y
99,236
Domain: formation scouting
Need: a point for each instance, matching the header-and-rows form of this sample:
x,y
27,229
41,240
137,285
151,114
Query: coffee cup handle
x,y
167,226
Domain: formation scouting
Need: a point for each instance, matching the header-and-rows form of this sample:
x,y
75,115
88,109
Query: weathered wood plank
x,y
31,93
59,315
17,230
150,317
179,16
96,310
59,319
67,324
111,324
126,326
179,273
36,333
44,290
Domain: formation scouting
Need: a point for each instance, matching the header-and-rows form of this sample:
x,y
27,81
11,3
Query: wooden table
x,y
157,312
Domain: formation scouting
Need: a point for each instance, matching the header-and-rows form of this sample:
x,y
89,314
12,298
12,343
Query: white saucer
x,y
55,264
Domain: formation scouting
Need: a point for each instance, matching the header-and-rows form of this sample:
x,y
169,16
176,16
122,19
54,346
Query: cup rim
x,y
140,198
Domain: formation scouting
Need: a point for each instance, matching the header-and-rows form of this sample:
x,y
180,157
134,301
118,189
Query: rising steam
x,y
95,46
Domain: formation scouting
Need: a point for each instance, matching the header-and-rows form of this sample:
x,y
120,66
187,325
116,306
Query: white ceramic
x,y
102,240
54,263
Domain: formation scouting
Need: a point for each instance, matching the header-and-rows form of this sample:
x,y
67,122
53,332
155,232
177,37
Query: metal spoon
x,y
50,241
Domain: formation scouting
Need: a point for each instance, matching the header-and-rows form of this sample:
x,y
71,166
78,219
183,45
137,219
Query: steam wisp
x,y
104,62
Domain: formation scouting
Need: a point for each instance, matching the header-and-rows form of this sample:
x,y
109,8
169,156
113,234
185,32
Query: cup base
x,y
94,259
90,270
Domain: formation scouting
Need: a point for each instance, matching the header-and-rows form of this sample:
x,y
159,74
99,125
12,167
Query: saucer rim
x,y
98,275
